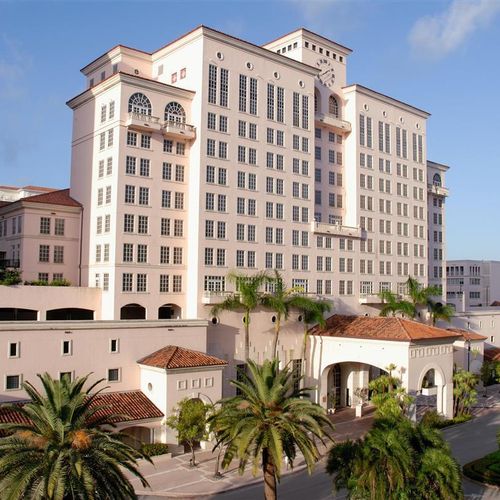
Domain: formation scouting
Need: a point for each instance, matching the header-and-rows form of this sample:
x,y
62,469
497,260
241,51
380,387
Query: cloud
x,y
14,65
442,33
331,18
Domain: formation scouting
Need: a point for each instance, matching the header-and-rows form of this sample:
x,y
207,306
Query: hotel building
x,y
212,155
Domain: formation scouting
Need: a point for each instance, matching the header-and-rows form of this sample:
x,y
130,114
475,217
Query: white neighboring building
x,y
473,283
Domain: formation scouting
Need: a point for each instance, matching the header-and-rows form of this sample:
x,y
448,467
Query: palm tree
x,y
438,310
391,304
62,451
396,458
420,295
246,298
313,312
281,301
438,474
270,418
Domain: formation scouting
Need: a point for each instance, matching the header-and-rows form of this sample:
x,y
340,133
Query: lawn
x,y
486,469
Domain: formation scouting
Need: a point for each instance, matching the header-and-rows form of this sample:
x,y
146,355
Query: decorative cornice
x,y
99,324
356,87
137,81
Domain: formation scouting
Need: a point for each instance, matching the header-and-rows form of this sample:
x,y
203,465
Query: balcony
x,y
336,230
437,190
331,121
179,130
139,121
370,298
214,297
9,263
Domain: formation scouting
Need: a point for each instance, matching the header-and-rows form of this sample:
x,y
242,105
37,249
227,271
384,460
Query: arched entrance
x,y
136,436
432,383
133,311
69,313
169,311
342,383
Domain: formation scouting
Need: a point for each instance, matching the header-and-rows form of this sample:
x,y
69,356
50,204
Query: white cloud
x,y
14,64
442,33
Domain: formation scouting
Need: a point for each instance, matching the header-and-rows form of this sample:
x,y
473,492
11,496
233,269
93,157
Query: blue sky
x,y
439,55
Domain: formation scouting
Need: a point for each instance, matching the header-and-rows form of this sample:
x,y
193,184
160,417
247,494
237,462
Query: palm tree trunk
x,y
277,328
247,335
304,349
268,468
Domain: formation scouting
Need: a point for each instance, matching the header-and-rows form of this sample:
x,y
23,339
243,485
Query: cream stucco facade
x,y
213,155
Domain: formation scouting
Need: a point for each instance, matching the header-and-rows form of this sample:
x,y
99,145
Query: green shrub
x,y
485,470
36,283
433,419
10,277
61,282
154,449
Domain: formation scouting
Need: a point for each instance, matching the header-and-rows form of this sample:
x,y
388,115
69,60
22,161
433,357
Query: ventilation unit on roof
x,y
136,71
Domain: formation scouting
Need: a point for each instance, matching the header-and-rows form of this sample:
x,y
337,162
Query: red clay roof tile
x,y
130,406
468,334
492,354
172,356
60,197
380,328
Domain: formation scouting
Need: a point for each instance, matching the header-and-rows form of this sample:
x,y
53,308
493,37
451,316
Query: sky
x,y
439,55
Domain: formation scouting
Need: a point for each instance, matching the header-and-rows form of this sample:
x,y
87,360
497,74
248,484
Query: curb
x,y
195,496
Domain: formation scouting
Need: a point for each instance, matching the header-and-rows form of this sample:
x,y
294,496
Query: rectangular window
x,y
12,382
58,254
131,138
142,282
44,253
113,374
45,225
224,87
145,141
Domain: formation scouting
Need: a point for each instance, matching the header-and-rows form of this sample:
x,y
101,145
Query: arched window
x,y
139,103
436,180
174,112
333,106
317,101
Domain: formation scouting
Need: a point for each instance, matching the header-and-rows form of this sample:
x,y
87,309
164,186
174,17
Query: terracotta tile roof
x,y
131,406
380,328
468,334
39,188
172,356
60,197
492,354
495,303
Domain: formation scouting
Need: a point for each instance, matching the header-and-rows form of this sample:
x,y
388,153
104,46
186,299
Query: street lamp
x,y
467,343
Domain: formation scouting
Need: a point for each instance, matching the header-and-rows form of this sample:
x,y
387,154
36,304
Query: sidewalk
x,y
174,478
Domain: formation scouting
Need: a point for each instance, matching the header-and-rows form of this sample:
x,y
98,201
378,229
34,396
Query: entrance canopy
x,y
361,342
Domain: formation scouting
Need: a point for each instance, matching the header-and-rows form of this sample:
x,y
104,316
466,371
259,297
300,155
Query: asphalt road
x,y
300,486
468,442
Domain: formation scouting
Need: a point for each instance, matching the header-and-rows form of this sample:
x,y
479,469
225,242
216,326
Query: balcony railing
x,y
340,126
143,122
6,263
437,190
214,297
179,130
369,298
336,230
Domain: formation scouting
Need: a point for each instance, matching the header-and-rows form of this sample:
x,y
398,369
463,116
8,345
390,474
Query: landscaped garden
x,y
486,469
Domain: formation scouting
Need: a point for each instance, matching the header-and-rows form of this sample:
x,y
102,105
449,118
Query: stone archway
x,y
432,376
340,381
169,311
133,311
